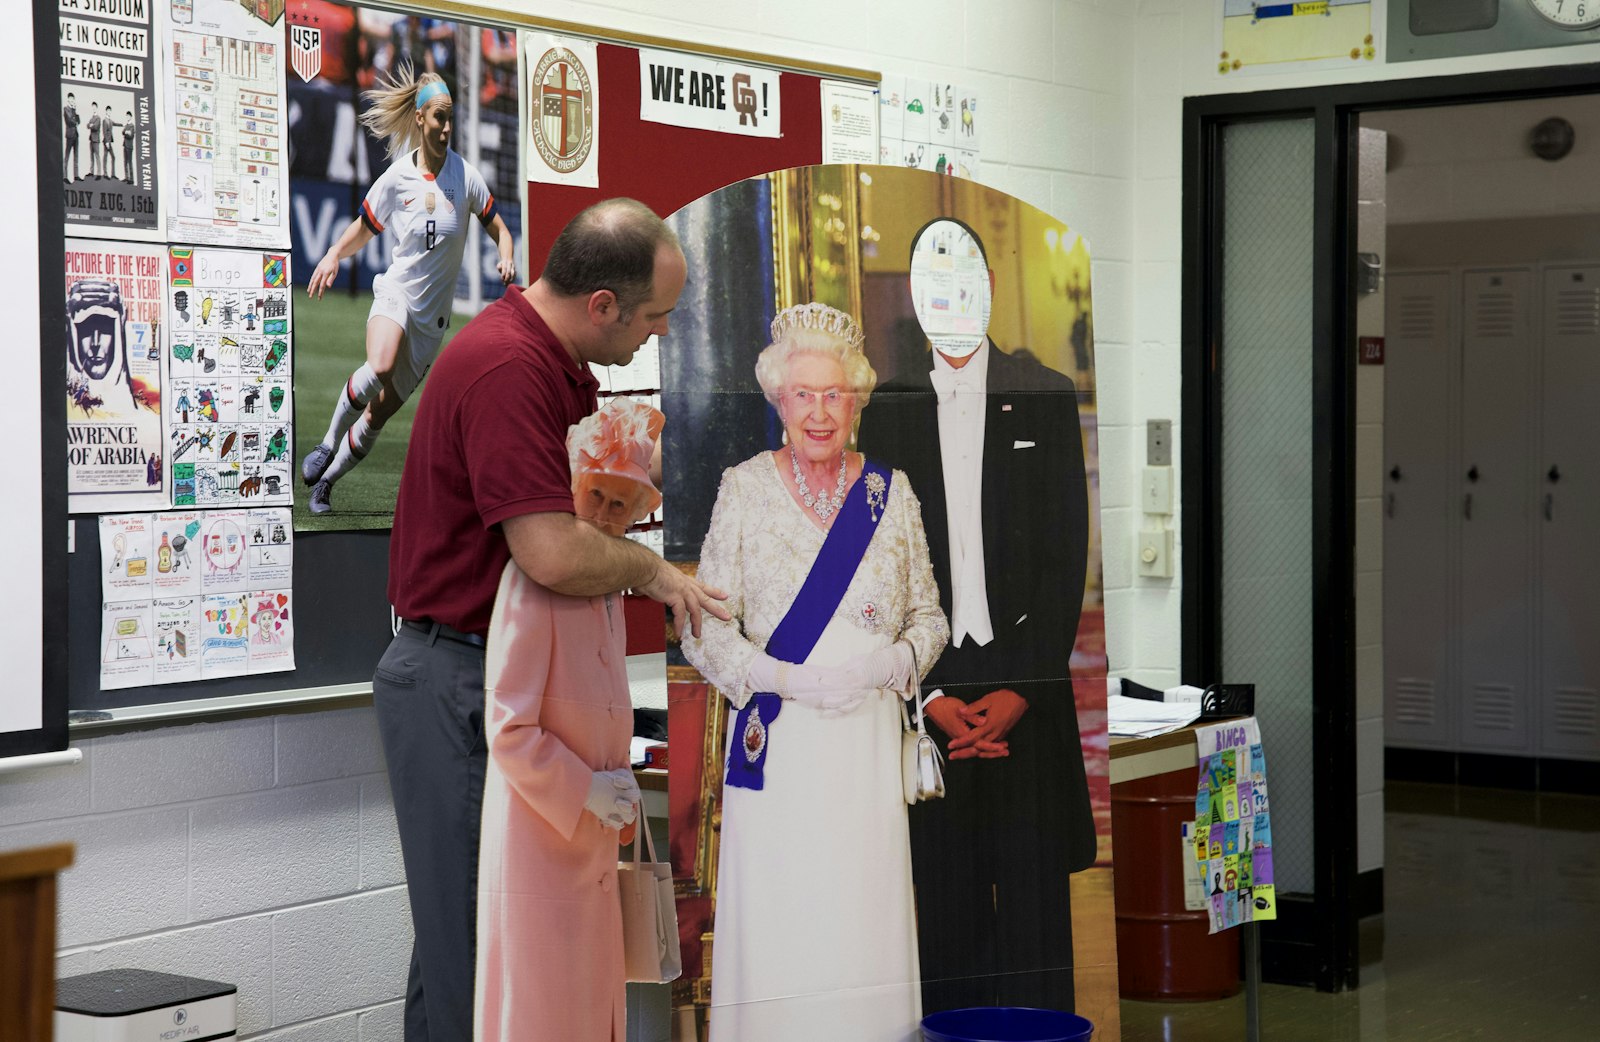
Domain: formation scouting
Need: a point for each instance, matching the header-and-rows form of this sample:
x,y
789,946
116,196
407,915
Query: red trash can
x,y
1164,951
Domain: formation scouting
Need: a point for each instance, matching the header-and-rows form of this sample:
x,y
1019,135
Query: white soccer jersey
x,y
429,218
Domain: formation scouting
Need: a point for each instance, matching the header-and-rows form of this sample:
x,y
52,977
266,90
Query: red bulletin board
x,y
666,167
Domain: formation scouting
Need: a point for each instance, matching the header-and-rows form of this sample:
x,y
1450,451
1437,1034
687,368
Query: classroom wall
x,y
263,851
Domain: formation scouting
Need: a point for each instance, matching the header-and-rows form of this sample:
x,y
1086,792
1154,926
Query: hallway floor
x,y
1491,931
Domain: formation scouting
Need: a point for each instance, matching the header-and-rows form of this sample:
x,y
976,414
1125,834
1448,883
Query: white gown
x,y
815,930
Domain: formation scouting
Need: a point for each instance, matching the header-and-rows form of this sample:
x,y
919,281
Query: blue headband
x,y
430,90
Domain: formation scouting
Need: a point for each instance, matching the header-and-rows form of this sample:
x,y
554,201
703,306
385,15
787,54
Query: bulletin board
x,y
343,619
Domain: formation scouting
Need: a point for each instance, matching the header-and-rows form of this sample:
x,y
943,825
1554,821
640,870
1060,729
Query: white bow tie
x,y
946,382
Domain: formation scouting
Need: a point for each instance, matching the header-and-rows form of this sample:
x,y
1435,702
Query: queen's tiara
x,y
821,318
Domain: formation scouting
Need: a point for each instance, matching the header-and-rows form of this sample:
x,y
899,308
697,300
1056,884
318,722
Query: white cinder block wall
x,y
263,851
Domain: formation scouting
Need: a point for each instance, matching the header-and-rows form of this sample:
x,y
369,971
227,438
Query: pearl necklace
x,y
824,506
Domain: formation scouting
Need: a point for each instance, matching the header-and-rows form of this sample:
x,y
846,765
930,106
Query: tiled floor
x,y
1491,925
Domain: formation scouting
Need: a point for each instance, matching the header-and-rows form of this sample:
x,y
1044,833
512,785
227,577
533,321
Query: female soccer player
x,y
425,197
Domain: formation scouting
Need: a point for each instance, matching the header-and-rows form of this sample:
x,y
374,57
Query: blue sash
x,y
808,616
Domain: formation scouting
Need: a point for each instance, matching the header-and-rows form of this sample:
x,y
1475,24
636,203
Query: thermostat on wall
x,y
144,1006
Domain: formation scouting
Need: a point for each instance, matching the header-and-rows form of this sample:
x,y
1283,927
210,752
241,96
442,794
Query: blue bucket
x,y
1005,1024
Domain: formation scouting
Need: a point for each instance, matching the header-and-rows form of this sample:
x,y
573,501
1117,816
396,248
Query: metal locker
x,y
1418,460
1498,359
1568,481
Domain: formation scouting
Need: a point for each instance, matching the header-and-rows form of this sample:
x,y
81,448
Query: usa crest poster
x,y
229,436
224,63
1232,833
110,182
563,110
114,299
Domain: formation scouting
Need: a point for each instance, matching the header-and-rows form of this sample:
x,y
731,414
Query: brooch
x,y
877,494
870,614
755,737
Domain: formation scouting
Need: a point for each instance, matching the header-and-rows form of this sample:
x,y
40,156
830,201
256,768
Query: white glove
x,y
613,797
825,689
889,669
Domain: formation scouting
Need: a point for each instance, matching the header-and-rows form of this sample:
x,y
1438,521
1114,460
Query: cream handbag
x,y
921,767
649,915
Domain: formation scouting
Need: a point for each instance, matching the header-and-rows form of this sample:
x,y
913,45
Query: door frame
x,y
1314,941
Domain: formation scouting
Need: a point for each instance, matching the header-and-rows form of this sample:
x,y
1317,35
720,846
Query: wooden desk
x,y
28,941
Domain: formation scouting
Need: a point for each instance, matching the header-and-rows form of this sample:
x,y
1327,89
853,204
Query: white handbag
x,y
649,914
921,767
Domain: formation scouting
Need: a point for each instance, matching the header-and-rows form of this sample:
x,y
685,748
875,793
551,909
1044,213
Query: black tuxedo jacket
x,y
1035,508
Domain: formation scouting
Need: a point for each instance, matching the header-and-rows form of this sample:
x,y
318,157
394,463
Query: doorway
x,y
1328,688
1488,493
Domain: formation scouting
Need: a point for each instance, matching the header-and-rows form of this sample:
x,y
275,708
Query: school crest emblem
x,y
563,130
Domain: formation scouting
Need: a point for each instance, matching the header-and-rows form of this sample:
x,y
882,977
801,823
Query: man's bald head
x,y
612,245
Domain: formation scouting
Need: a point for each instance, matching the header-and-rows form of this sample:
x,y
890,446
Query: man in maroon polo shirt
x,y
486,480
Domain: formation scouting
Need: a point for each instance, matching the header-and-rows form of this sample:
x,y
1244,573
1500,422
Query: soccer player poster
x,y
404,201
114,299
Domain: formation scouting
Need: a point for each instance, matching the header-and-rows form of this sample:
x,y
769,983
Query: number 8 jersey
x,y
428,216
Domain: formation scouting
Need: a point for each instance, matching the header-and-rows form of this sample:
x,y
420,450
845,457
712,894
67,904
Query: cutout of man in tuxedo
x,y
992,445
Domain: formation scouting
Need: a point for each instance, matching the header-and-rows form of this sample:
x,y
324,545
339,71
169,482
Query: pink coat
x,y
550,959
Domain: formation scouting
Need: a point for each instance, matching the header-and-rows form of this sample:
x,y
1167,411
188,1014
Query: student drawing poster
x,y
113,308
224,635
108,119
224,562
230,360
127,657
175,535
224,95
177,640
269,539
128,554
731,436
271,631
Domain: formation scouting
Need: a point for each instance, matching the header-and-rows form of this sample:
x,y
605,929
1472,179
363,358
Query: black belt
x,y
439,631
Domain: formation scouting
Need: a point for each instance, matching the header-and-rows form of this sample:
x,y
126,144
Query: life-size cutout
x,y
559,787
787,796
835,615
992,443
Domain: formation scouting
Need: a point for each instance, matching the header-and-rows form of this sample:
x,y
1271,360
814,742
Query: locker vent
x,y
1413,702
1576,711
1578,312
1418,317
1494,314
1494,707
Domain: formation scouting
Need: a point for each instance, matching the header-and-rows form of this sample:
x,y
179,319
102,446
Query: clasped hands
x,y
614,799
978,729
835,690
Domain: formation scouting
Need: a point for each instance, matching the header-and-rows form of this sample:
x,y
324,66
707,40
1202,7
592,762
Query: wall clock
x,y
1569,14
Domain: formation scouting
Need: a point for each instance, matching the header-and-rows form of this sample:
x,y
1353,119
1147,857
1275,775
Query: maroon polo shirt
x,y
488,443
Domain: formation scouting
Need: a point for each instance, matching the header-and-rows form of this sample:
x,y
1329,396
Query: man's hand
x,y
950,715
685,596
992,717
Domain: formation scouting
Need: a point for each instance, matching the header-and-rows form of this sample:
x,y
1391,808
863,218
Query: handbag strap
x,y
916,696
641,835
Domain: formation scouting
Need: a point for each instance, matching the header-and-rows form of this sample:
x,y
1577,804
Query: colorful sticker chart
x,y
195,595
226,123
229,438
1230,841
114,305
